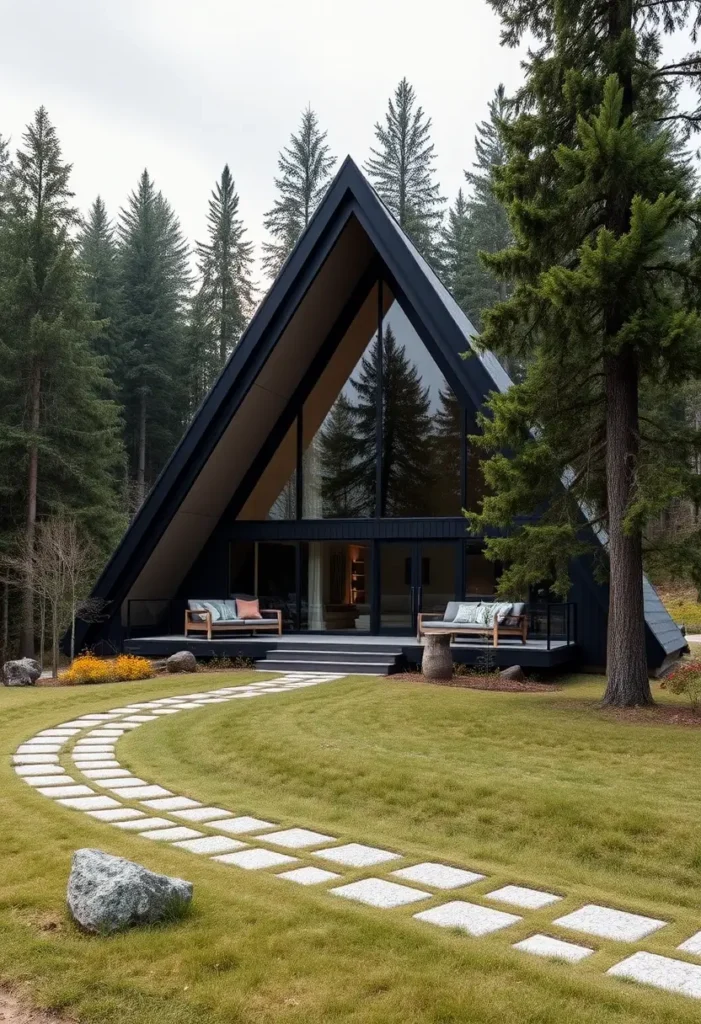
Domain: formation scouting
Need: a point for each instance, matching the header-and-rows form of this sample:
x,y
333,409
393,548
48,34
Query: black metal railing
x,y
554,622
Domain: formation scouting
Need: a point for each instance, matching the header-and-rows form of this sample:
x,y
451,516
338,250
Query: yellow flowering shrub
x,y
87,668
129,666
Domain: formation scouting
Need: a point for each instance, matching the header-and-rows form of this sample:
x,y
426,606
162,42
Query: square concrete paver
x,y
59,791
140,719
244,823
211,844
93,748
91,755
376,892
126,782
141,822
39,748
309,876
356,855
438,876
35,759
118,814
297,838
49,780
141,792
171,803
59,732
23,770
89,803
202,814
610,924
172,835
468,917
692,945
254,860
520,896
545,945
662,972
104,774
79,763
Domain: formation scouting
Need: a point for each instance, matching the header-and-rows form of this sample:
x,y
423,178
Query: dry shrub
x,y
685,681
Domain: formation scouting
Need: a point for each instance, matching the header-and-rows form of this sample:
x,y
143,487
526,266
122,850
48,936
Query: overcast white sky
x,y
184,86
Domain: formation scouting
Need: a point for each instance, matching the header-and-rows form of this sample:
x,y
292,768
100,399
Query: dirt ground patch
x,y
491,682
660,714
14,1011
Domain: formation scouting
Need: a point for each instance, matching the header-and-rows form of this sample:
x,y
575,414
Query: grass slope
x,y
533,788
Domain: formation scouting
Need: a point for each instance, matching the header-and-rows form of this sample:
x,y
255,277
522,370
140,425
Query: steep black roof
x,y
442,325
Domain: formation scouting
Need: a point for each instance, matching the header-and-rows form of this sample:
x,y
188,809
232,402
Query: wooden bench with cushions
x,y
499,619
231,616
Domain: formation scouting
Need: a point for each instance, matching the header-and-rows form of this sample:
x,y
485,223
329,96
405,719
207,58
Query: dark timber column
x,y
379,510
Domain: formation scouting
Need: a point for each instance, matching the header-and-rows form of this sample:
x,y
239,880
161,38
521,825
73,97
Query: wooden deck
x,y
350,649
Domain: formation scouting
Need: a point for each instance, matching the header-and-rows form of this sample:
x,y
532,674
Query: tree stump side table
x,y
437,660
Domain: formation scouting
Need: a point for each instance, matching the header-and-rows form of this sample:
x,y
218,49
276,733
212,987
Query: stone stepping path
x,y
254,844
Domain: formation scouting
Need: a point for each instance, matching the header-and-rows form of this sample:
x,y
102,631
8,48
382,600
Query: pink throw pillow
x,y
248,609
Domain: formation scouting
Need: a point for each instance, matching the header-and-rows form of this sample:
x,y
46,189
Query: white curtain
x,y
312,509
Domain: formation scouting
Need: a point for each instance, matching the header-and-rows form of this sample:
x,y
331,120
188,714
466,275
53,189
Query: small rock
x,y
513,672
183,661
23,672
108,894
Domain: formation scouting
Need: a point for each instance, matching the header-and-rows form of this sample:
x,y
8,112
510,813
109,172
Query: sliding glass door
x,y
415,577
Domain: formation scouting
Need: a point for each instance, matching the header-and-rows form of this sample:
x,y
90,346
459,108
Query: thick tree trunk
x,y
628,684
141,463
26,642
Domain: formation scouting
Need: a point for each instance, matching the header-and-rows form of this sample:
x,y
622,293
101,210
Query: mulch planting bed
x,y
491,682
661,714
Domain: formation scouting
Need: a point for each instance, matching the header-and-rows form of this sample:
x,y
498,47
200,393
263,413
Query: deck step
x,y
361,668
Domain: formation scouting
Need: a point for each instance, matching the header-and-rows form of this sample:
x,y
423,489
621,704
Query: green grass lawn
x,y
541,789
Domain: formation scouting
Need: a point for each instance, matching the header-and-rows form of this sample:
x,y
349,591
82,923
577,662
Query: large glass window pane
x,y
339,426
277,575
336,587
275,494
396,579
481,575
438,565
421,427
242,568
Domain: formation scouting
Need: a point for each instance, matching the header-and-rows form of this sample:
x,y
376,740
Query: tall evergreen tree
x,y
603,308
154,279
478,287
98,254
457,250
402,169
5,170
305,167
59,431
226,294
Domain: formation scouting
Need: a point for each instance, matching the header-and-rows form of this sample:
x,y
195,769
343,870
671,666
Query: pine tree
x,y
402,169
5,172
98,254
604,309
348,448
59,430
305,167
154,280
457,250
478,286
226,295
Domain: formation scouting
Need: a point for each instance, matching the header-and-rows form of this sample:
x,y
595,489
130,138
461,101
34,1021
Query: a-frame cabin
x,y
325,472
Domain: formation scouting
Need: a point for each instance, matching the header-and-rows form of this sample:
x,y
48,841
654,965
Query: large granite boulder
x,y
23,672
183,661
108,894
